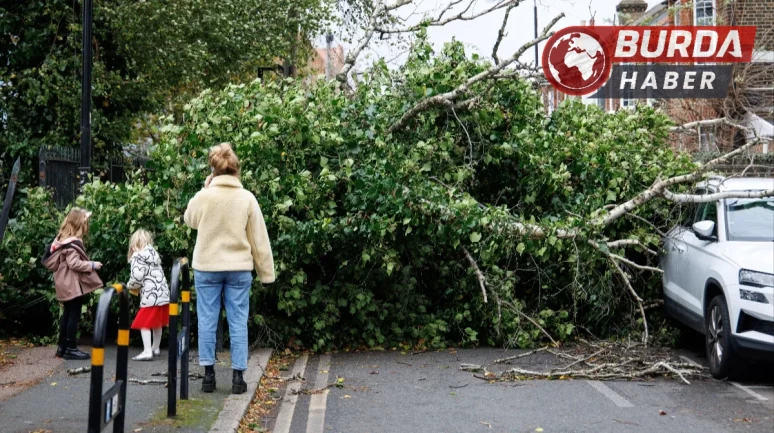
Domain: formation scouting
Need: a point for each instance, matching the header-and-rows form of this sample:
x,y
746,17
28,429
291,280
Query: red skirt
x,y
152,317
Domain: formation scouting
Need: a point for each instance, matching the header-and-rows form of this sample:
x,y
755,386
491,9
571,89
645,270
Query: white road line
x,y
609,393
319,402
754,394
285,416
760,386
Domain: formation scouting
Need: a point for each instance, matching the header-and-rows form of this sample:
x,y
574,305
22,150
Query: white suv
x,y
719,273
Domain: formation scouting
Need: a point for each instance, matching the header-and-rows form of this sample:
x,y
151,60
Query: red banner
x,y
683,44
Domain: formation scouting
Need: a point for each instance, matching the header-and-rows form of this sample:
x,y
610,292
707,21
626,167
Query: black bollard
x,y
178,343
109,406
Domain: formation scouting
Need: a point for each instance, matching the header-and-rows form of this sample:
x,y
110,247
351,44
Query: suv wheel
x,y
717,327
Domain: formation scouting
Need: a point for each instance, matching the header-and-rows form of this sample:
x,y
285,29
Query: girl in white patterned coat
x,y
147,276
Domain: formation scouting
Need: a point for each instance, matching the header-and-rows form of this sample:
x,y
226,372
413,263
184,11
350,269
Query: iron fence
x,y
58,170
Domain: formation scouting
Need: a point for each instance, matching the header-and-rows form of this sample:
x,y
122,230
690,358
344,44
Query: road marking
x,y
609,393
285,416
760,386
316,421
754,394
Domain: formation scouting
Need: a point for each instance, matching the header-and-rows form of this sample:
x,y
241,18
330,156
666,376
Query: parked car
x,y
719,273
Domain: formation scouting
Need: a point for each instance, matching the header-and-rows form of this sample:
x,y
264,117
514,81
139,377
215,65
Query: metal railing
x,y
109,406
6,212
178,343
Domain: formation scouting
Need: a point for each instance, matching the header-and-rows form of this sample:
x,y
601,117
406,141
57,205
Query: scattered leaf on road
x,y
538,429
486,424
347,396
661,412
53,383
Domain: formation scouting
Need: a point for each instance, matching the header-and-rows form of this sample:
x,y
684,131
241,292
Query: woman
x,y
231,242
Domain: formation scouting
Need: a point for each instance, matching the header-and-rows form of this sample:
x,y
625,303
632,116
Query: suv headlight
x,y
758,279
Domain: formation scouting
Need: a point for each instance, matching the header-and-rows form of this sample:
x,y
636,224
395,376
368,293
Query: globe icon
x,y
577,62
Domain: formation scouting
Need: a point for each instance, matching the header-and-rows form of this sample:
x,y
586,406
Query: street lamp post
x,y
85,169
328,64
536,34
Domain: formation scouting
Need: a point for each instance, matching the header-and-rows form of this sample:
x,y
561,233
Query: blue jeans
x,y
236,287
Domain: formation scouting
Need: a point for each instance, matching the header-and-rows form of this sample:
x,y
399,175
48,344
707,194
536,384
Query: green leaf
x,y
475,237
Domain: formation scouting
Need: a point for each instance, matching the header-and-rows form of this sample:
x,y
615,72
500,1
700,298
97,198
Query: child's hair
x,y
223,160
139,240
75,224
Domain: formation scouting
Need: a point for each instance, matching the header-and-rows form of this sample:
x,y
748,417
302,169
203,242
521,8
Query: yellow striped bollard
x,y
109,406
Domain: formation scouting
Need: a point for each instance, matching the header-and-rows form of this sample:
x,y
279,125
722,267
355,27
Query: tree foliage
x,y
370,230
148,55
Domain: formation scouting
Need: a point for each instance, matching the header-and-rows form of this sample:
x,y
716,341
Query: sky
x,y
479,35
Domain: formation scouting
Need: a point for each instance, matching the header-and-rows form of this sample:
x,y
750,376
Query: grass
x,y
190,414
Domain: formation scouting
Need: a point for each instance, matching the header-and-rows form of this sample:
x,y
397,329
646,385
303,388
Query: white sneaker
x,y
144,356
157,352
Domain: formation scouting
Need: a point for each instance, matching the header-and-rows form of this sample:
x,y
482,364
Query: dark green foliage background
x,y
368,228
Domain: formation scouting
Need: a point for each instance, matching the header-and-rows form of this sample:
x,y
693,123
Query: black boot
x,y
75,354
208,384
60,350
238,385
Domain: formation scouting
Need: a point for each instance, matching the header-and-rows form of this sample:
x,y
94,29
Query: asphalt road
x,y
388,392
60,402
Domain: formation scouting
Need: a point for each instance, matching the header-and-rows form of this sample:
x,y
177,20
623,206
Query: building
x,y
751,98
319,62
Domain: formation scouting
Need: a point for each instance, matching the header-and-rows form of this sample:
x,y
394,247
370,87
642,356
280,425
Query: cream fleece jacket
x,y
231,233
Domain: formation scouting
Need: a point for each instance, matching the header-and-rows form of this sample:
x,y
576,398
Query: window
x,y
550,100
627,92
704,12
602,104
707,140
750,219
708,212
689,211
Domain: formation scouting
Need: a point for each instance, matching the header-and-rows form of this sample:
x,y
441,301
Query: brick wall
x,y
749,78
759,13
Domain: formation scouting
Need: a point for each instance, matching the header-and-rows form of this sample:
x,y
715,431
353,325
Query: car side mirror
x,y
704,229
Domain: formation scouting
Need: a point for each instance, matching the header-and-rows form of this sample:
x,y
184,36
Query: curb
x,y
235,406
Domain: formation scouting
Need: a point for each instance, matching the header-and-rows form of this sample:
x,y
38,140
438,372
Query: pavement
x,y
58,402
388,392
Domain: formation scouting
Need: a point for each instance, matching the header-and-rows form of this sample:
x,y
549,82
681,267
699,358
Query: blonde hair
x,y
75,224
223,160
140,239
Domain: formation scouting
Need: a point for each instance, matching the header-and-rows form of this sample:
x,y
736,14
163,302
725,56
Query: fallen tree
x,y
428,204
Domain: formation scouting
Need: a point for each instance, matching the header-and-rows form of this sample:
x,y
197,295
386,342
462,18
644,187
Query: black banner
x,y
662,81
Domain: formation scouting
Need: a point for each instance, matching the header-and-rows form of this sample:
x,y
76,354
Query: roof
x,y
655,16
743,183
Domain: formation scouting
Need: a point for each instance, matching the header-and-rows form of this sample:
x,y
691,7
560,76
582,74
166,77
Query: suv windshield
x,y
750,219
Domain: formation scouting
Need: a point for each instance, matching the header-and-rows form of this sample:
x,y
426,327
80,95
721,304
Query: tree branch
x,y
707,198
628,242
636,297
501,33
479,274
532,321
351,58
659,187
624,259
448,97
440,21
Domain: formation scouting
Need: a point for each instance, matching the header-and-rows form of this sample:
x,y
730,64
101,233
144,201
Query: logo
x,y
646,61
576,61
